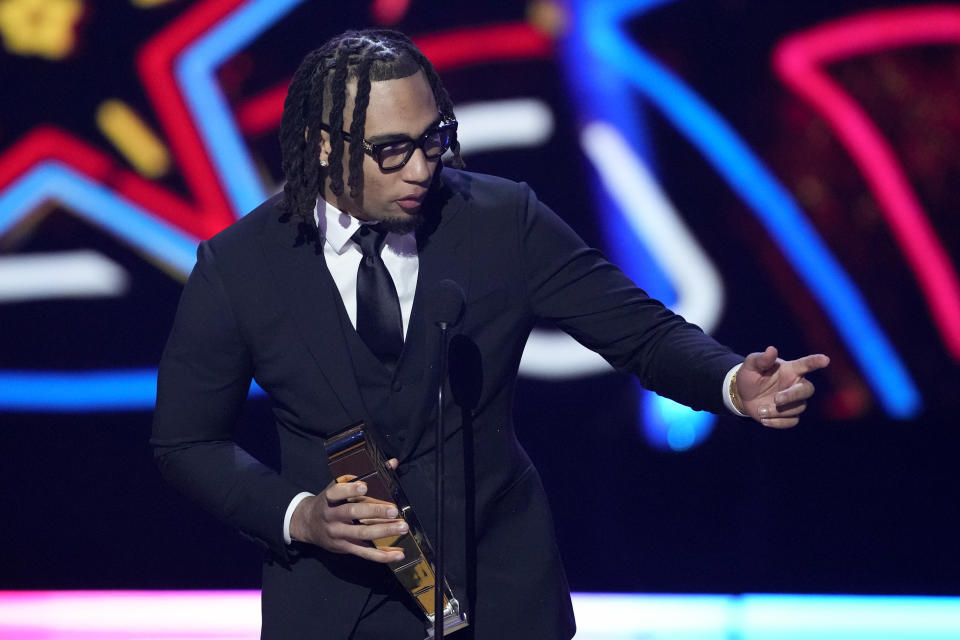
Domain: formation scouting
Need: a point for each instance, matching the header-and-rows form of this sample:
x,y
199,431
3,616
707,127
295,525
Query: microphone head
x,y
447,303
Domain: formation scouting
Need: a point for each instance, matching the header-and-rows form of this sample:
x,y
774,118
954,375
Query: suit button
x,y
397,386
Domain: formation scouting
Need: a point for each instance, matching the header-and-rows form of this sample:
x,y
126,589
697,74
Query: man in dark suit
x,y
321,296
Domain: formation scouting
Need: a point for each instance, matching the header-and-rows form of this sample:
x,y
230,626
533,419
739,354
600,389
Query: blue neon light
x,y
104,390
101,206
70,392
81,391
195,74
776,209
605,97
670,425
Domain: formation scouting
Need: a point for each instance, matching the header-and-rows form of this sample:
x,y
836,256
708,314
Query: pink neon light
x,y
129,615
799,61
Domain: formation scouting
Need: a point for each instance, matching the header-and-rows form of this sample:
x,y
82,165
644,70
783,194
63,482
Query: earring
x,y
323,163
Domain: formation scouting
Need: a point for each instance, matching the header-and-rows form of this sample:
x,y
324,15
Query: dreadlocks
x,y
319,87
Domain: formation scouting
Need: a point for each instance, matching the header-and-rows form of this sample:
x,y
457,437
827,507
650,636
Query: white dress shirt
x,y
343,255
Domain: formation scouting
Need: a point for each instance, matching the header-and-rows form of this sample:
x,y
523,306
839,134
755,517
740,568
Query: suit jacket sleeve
x,y
592,300
203,381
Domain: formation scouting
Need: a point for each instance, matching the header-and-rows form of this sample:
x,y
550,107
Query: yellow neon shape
x,y
128,133
147,4
39,27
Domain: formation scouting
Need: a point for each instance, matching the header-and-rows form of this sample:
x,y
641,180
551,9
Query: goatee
x,y
403,225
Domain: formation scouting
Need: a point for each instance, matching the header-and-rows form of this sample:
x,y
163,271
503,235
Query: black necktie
x,y
379,322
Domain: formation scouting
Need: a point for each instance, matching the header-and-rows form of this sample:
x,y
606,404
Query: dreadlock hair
x,y
319,87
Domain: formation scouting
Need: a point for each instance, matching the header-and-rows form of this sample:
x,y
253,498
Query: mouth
x,y
411,201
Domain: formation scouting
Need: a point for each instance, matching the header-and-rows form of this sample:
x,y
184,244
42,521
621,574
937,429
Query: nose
x,y
418,168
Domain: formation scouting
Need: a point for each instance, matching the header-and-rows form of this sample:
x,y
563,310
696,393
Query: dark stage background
x,y
861,498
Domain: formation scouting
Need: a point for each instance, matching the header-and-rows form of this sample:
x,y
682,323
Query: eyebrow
x,y
395,137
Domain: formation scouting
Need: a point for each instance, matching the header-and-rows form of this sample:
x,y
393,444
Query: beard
x,y
403,224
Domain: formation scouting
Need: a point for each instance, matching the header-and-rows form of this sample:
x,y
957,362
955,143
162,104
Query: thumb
x,y
762,361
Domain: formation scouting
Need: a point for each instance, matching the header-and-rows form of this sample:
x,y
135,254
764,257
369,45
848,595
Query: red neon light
x,y
155,66
261,113
46,143
49,143
800,59
462,47
389,11
446,50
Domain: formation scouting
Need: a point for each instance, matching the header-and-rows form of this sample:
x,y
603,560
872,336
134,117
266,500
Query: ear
x,y
325,148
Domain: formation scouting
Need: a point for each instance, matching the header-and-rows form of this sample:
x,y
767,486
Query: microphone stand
x,y
448,304
438,482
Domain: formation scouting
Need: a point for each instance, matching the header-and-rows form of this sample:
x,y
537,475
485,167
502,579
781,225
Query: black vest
x,y
399,403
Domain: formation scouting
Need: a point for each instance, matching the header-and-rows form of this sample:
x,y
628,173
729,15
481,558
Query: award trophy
x,y
353,453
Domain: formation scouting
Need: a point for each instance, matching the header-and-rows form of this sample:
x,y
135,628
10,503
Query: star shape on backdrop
x,y
47,164
177,69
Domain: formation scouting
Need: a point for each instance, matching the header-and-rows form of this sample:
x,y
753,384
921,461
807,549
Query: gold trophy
x,y
353,453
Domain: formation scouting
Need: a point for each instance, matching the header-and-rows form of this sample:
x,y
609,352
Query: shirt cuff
x,y
288,516
725,392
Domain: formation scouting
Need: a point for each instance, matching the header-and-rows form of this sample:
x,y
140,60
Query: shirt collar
x,y
338,228
335,226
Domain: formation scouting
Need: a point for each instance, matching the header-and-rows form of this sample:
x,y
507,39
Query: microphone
x,y
446,307
447,304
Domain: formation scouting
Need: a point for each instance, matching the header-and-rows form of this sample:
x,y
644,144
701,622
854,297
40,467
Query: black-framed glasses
x,y
394,154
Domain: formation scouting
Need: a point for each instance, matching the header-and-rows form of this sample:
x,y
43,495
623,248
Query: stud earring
x,y
323,163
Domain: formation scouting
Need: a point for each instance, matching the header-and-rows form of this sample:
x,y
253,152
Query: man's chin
x,y
403,223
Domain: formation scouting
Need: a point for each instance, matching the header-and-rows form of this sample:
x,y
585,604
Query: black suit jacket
x,y
261,304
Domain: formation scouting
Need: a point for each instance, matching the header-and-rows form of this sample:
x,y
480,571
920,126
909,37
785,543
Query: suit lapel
x,y
441,249
438,261
295,256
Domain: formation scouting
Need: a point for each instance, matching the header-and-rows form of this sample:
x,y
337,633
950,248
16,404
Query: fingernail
x,y
402,527
392,512
361,488
764,412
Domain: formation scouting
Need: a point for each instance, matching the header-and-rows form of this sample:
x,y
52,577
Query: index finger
x,y
810,363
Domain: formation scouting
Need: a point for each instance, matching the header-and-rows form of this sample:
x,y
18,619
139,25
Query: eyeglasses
x,y
394,154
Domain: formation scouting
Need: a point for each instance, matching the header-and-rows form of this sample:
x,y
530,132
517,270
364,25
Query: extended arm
x,y
592,300
598,305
